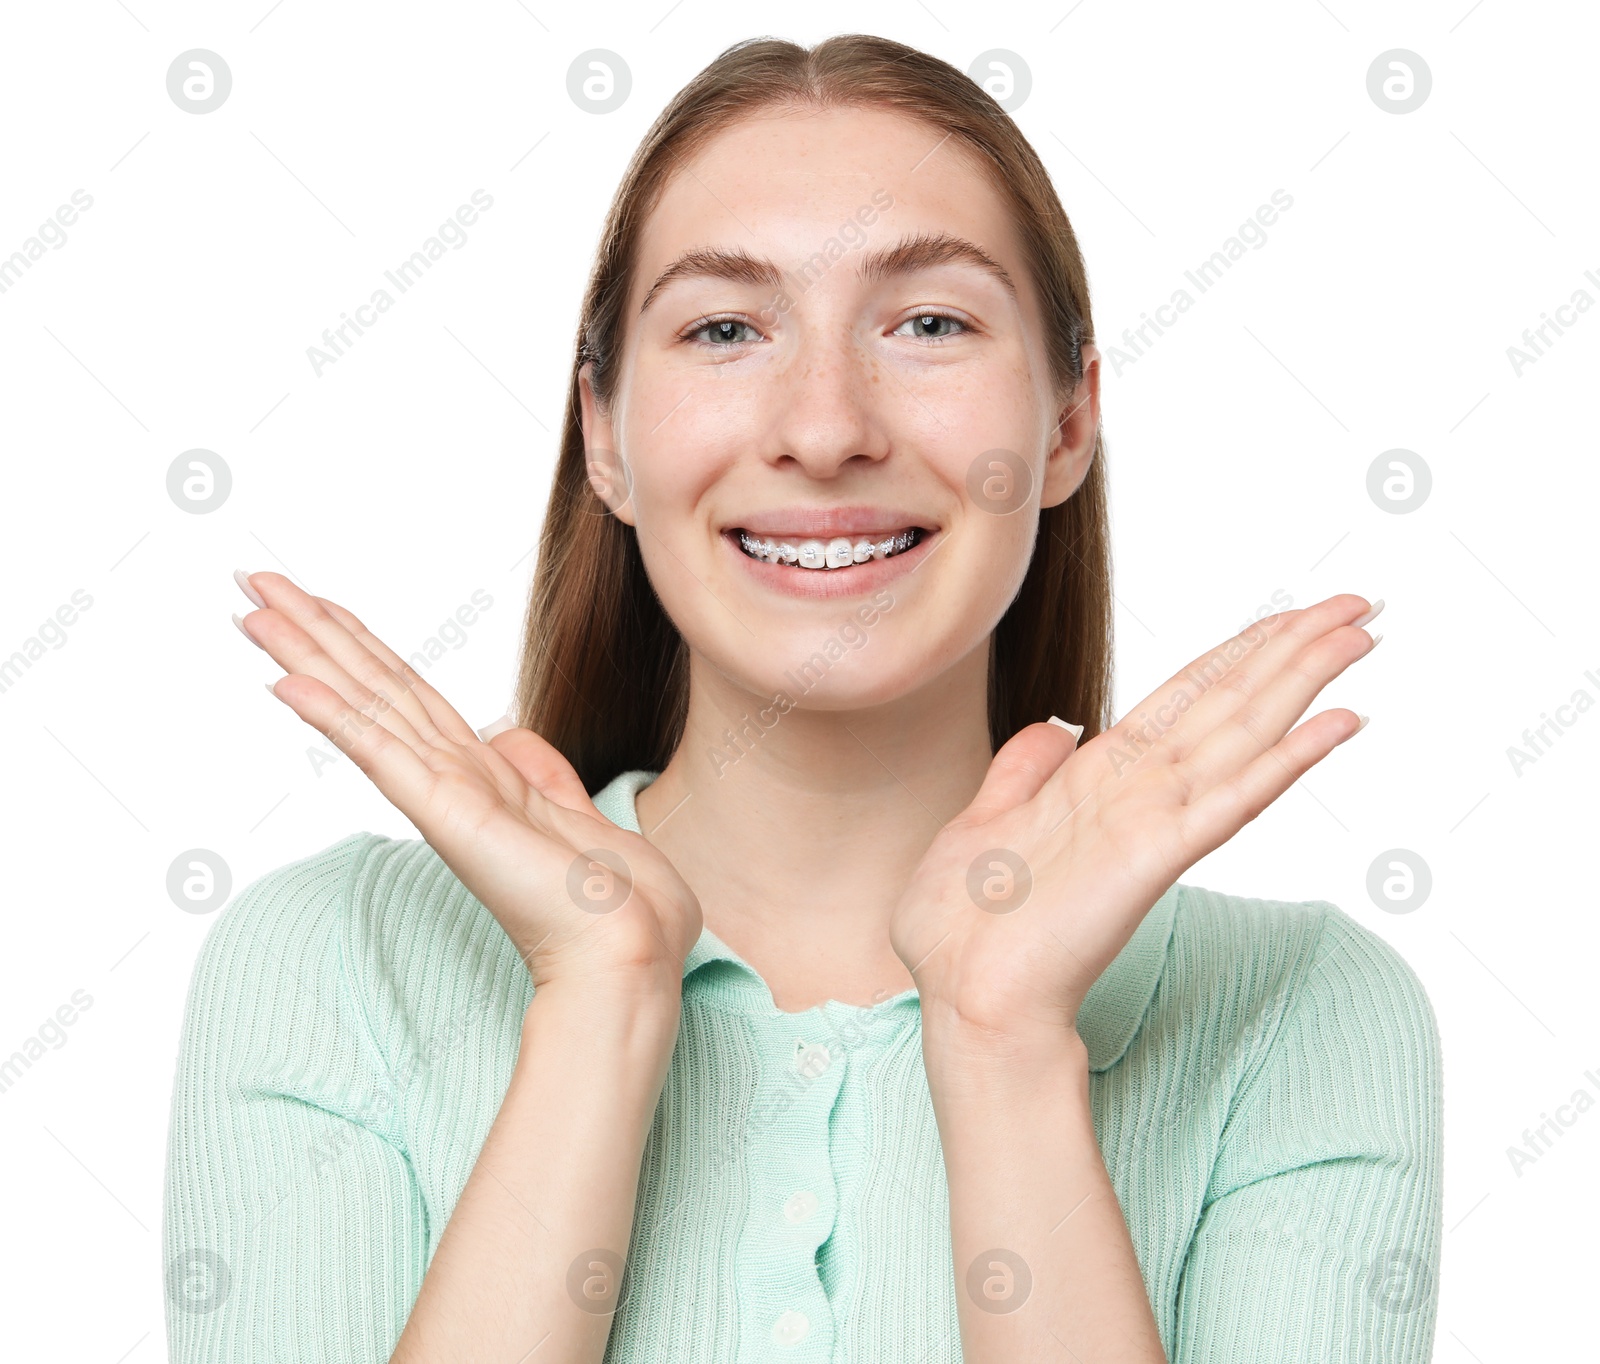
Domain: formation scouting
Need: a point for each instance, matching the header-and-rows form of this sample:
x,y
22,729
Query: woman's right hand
x,y
577,895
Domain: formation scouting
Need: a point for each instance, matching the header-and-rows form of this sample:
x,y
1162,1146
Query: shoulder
x,y
420,940
297,903
1311,1025
367,886
382,921
1302,976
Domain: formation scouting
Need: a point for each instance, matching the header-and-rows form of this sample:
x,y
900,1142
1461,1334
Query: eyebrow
x,y
904,257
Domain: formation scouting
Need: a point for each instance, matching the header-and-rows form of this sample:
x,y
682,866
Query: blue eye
x,y
720,328
922,319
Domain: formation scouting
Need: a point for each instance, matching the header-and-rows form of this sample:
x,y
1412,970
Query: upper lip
x,y
819,522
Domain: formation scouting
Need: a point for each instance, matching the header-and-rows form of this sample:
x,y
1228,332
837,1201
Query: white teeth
x,y
839,552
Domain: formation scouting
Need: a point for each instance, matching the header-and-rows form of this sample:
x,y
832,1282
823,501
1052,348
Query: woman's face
x,y
786,375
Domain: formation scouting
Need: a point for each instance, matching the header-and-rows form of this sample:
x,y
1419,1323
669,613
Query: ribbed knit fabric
x,y
1265,1083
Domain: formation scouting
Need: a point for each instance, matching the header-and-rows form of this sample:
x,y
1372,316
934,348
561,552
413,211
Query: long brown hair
x,y
604,676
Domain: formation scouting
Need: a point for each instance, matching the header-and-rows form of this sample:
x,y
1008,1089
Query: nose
x,y
825,404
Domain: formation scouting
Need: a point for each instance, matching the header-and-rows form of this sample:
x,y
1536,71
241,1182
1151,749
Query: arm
x,y
533,1253
1320,1239
1026,1178
293,1228
1024,899
556,1179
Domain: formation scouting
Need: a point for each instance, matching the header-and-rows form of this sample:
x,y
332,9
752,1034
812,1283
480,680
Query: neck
x,y
799,832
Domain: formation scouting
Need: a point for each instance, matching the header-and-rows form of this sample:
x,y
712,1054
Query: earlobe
x,y
609,475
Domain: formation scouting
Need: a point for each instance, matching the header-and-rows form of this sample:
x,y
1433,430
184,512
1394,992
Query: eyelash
x,y
688,334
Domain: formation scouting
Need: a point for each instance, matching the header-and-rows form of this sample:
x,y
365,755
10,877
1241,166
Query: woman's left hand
x,y
1028,895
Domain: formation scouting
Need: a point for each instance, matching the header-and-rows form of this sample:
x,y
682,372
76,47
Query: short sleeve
x,y
293,1229
1320,1235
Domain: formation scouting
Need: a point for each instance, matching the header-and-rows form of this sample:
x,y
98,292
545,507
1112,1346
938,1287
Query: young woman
x,y
780,982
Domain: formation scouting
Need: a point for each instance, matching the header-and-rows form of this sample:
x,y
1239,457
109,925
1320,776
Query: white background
x,y
414,471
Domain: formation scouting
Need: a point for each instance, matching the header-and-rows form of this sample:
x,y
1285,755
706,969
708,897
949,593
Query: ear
x,y
609,474
1078,425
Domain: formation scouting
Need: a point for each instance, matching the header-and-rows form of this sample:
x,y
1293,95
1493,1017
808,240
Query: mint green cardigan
x,y
1265,1083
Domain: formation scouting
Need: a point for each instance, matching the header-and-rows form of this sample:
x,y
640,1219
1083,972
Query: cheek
x,y
997,554
676,446
995,407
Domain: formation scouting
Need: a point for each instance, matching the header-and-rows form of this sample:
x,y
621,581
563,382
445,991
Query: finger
x,y
1247,677
1167,724
1214,818
543,767
441,712
392,765
299,653
1023,764
336,643
1259,721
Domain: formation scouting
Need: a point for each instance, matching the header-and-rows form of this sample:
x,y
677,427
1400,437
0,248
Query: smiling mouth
x,y
840,551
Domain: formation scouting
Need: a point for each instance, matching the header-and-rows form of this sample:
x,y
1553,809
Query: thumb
x,y
538,762
1027,760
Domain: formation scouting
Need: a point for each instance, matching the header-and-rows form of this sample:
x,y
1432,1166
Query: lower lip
x,y
828,583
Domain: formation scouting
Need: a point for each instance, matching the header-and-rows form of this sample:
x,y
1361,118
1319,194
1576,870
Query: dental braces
x,y
839,552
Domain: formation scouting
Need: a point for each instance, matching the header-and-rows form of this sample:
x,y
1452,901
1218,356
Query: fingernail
x,y
274,695
494,727
243,579
1077,730
1371,615
1375,640
240,623
1361,726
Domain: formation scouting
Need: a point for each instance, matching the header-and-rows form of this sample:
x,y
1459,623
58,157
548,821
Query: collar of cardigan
x,y
1107,1021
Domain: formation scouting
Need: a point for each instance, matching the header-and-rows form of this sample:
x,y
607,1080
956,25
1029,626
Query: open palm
x,y
510,817
1024,899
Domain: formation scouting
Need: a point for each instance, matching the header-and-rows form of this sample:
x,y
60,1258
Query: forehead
x,y
781,185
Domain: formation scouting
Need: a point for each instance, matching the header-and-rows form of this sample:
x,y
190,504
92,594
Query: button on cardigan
x,y
1265,1085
